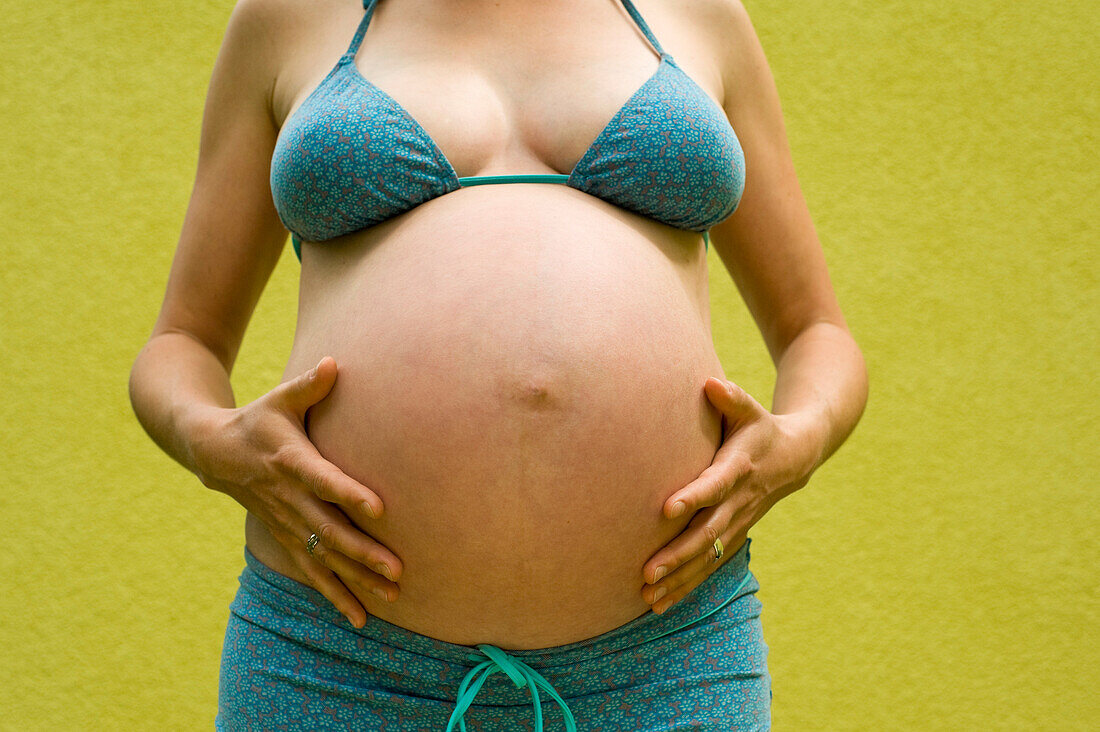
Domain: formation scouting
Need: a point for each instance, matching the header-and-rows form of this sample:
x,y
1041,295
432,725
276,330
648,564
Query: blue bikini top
x,y
351,157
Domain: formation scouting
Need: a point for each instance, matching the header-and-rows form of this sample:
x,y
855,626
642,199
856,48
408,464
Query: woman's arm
x,y
230,242
821,379
232,238
772,252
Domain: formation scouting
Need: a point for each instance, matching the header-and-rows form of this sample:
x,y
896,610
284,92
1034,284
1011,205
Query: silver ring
x,y
311,543
718,549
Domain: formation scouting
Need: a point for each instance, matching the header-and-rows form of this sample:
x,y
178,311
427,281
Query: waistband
x,y
725,585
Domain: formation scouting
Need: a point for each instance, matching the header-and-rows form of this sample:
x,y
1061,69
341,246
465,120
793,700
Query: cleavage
x,y
492,116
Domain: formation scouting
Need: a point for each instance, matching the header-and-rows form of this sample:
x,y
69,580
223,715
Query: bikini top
x,y
351,157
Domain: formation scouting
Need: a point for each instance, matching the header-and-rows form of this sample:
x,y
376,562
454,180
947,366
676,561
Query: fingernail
x,y
386,572
678,508
382,593
368,510
659,594
661,572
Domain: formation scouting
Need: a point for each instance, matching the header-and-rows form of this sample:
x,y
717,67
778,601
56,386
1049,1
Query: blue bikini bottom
x,y
291,661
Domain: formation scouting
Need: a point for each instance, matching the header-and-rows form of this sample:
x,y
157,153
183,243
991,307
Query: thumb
x,y
306,389
731,400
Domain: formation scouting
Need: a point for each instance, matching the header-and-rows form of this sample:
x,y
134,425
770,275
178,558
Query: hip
x,y
700,665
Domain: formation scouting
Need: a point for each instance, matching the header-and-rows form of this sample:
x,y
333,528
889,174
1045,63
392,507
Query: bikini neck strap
x,y
369,5
368,8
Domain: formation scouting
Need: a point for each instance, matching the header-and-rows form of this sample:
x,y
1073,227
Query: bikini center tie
x,y
521,675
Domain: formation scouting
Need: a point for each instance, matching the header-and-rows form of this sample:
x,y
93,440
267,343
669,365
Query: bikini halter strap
x,y
643,26
368,7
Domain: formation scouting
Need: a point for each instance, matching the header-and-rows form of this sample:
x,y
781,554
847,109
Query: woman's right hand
x,y
261,456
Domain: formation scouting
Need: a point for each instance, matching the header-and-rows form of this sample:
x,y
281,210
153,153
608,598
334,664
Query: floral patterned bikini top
x,y
351,157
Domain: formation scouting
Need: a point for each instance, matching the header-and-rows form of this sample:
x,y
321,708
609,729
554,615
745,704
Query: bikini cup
x,y
351,157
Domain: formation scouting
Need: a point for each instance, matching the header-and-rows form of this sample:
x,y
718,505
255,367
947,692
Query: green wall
x,y
938,573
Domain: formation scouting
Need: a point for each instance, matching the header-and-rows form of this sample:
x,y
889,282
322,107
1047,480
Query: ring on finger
x,y
311,543
718,549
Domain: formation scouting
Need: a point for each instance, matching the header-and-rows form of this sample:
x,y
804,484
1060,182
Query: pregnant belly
x,y
523,411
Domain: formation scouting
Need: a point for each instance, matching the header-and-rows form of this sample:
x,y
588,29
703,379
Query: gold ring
x,y
311,543
718,549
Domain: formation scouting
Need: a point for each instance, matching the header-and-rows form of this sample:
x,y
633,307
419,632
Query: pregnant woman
x,y
505,483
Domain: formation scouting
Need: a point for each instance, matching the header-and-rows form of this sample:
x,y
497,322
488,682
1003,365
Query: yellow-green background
x,y
938,573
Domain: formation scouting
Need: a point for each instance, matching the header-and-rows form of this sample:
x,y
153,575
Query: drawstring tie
x,y
521,675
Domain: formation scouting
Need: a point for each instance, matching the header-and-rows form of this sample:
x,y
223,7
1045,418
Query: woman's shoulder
x,y
288,42
708,37
283,19
278,27
724,22
727,31
716,10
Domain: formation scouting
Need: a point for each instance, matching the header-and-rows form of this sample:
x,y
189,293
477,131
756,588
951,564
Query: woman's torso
x,y
521,366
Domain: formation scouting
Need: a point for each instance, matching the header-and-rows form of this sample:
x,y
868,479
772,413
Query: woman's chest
x,y
524,89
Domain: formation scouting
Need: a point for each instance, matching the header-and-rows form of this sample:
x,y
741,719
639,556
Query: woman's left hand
x,y
763,457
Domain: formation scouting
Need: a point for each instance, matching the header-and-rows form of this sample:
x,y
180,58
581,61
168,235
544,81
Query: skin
x,y
232,240
772,252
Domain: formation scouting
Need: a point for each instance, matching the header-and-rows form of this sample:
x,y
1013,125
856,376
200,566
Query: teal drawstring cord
x,y
523,675
519,672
